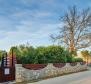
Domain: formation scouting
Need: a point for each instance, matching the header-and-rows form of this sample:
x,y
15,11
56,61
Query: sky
x,y
32,21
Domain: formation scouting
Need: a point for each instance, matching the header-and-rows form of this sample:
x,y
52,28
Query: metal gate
x,y
7,74
7,68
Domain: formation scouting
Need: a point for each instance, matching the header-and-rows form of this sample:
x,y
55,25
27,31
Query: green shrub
x,y
50,54
70,59
42,55
78,59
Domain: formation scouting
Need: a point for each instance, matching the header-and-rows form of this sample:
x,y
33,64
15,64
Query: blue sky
x,y
32,21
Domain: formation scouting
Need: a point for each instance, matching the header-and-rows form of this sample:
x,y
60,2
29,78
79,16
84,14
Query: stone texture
x,y
23,74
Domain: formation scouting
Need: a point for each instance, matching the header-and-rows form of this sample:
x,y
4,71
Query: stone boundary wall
x,y
23,74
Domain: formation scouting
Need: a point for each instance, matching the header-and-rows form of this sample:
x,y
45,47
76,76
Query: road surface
x,y
76,78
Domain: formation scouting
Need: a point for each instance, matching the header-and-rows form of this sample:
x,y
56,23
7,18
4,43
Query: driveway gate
x,y
7,74
7,68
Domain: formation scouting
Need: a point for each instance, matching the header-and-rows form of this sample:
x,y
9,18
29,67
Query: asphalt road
x,y
76,78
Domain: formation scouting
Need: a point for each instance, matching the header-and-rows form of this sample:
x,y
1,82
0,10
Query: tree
x,y
75,32
1,53
24,53
16,52
86,55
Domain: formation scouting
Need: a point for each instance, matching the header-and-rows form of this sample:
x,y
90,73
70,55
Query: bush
x,y
50,54
42,55
78,59
70,59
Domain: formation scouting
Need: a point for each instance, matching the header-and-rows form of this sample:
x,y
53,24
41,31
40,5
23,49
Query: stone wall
x,y
23,74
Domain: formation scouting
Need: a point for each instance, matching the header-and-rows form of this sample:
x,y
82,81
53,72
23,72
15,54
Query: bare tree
x,y
76,30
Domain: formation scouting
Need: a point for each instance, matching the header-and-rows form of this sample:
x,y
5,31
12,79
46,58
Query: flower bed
x,y
59,65
73,63
82,63
34,66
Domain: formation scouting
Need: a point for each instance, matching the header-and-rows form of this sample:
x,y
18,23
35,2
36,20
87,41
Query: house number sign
x,y
6,71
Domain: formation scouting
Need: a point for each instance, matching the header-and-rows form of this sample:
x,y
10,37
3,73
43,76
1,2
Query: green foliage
x,y
70,59
85,53
17,52
1,52
78,59
27,55
24,54
42,55
50,54
0,57
74,53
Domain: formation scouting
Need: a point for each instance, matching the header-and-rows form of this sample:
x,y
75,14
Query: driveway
x,y
76,78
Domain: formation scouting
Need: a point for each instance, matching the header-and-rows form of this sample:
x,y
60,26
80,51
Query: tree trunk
x,y
71,46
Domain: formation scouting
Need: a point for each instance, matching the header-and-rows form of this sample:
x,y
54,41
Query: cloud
x,y
6,24
36,38
31,14
42,14
39,1
26,1
31,20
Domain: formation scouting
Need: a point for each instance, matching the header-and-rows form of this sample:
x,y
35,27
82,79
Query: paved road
x,y
76,78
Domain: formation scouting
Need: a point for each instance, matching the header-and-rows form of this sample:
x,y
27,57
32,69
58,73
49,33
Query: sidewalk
x,y
9,82
76,78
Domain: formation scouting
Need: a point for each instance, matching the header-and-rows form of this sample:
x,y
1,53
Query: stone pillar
x,y
18,73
